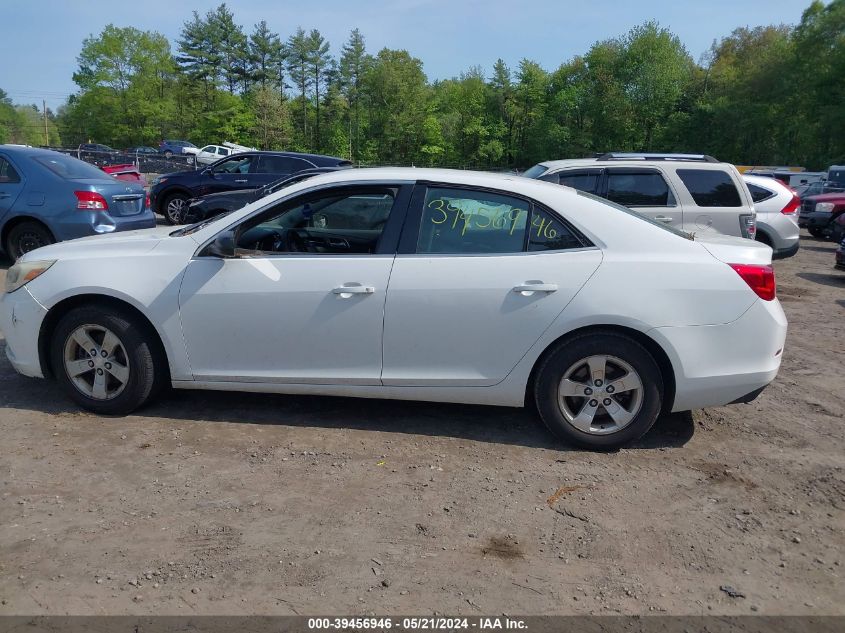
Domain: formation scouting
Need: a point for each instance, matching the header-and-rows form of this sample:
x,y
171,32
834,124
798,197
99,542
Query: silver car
x,y
777,214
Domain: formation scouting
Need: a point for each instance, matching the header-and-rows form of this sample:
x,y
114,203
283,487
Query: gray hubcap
x,y
175,209
96,362
600,394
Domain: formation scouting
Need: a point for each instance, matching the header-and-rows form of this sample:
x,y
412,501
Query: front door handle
x,y
241,180
4,195
662,218
535,286
347,290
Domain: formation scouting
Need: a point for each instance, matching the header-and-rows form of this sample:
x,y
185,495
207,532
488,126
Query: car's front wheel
x,y
599,390
25,237
104,359
175,207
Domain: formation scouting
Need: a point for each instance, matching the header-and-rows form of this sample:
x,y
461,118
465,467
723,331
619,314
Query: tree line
x,y
764,95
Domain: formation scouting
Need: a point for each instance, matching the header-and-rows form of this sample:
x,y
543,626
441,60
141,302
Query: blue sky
x,y
40,39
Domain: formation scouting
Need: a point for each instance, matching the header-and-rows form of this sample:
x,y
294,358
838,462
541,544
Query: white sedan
x,y
416,284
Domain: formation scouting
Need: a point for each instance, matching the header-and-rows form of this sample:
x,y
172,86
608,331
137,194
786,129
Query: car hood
x,y
120,243
735,250
827,197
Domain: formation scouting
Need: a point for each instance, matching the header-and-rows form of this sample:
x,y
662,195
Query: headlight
x,y
23,272
825,206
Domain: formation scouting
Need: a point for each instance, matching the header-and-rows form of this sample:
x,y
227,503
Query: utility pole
x,y
46,133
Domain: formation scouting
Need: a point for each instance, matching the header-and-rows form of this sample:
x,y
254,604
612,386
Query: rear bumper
x,y
719,364
86,224
20,321
789,251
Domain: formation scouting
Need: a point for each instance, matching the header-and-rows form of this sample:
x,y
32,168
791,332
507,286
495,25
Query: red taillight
x,y
793,205
761,279
147,201
90,201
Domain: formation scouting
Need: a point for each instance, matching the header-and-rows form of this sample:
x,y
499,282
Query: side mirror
x,y
223,245
207,172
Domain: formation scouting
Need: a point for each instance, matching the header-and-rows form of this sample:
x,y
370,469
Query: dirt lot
x,y
233,504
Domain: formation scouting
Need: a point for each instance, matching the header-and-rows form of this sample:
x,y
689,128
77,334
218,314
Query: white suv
x,y
691,192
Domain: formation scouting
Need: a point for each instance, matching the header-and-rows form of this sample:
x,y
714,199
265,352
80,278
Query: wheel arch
x,y
164,195
55,314
657,352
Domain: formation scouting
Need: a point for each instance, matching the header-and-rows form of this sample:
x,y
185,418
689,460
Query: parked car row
x,y
170,193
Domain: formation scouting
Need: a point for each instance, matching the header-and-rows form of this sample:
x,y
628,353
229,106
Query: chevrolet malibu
x,y
410,284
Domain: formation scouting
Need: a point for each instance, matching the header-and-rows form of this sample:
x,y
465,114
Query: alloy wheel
x,y
96,362
600,394
176,208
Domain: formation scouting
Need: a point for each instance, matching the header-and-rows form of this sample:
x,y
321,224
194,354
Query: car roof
x,y
20,150
503,182
630,162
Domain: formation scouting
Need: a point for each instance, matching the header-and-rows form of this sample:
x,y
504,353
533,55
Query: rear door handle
x,y
4,195
347,290
241,180
535,287
662,218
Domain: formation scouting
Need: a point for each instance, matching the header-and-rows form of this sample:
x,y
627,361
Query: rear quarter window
x,y
710,187
758,194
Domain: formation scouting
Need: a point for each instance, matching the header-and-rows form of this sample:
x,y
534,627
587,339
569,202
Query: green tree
x,y
319,61
354,63
298,62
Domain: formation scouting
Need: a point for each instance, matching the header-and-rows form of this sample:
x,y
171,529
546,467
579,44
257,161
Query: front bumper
x,y
840,256
21,317
719,364
814,220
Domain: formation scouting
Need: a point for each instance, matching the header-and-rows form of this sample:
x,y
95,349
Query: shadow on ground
x,y
496,425
837,280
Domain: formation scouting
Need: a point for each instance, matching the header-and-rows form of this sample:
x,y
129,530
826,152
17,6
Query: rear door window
x,y
7,172
710,187
638,188
465,222
280,165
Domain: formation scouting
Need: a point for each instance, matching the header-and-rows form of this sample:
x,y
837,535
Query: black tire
x,y
168,154
578,348
173,215
25,237
147,367
817,232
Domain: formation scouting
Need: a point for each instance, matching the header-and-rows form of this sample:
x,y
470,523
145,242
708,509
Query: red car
x,y
819,212
128,173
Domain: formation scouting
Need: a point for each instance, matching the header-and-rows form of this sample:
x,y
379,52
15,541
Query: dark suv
x,y
170,192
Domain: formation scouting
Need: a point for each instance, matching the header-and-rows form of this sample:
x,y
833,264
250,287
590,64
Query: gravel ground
x,y
215,503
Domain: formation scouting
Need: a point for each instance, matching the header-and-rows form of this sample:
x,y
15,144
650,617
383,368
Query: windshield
x,y
640,216
536,171
70,168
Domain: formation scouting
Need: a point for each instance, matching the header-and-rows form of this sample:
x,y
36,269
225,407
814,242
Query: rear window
x,y
710,187
535,172
69,168
758,194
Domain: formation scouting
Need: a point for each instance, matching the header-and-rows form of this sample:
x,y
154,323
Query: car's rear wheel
x,y
175,206
104,360
25,237
599,391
